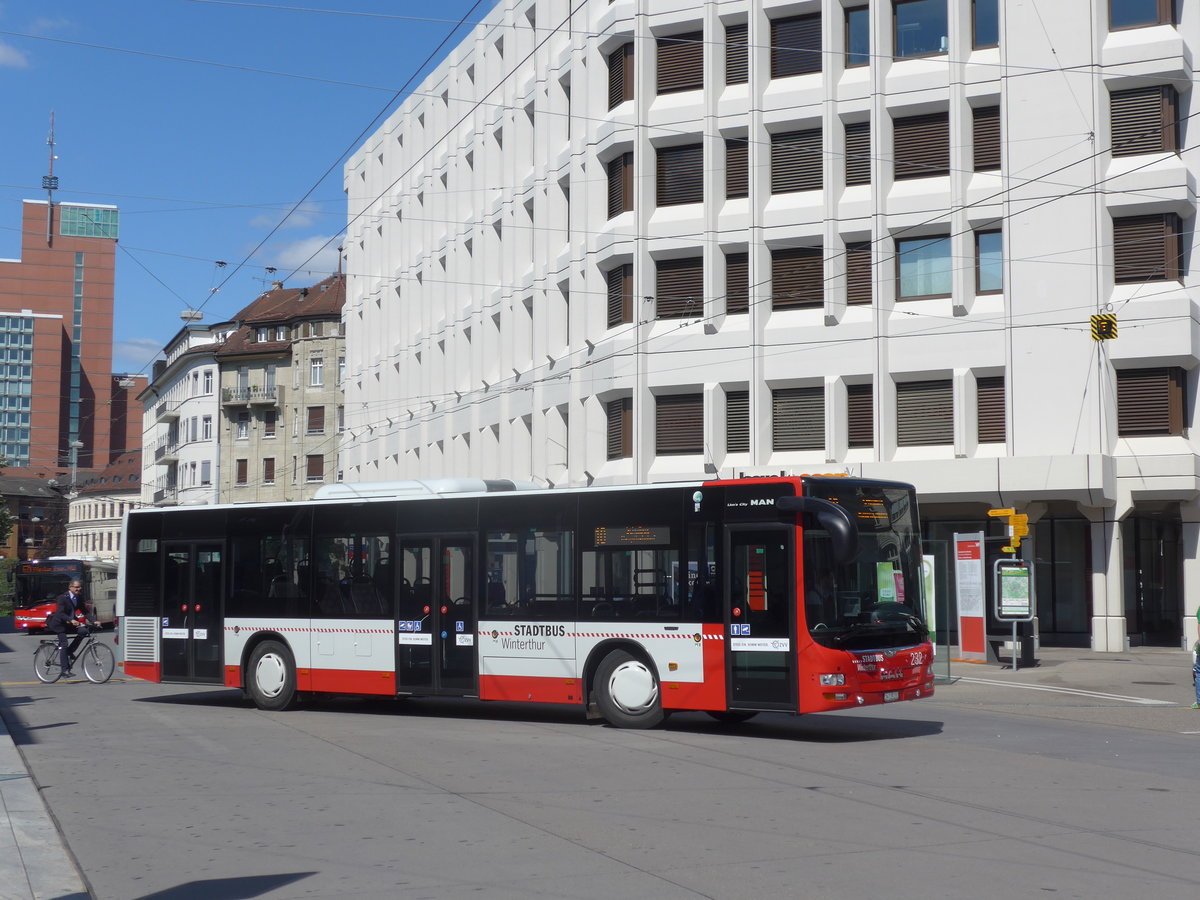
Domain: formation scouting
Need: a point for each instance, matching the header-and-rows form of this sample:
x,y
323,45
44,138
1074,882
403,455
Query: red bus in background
x,y
791,594
39,582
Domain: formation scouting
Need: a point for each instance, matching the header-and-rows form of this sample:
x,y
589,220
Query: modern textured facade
x,y
641,241
56,376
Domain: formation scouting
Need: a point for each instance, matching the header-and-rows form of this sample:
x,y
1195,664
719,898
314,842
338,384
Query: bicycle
x,y
98,661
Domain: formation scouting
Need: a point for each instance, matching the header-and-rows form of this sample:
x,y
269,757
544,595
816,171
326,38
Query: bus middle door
x,y
760,617
435,621
191,622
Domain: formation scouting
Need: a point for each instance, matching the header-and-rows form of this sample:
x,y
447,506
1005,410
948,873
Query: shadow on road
x,y
243,888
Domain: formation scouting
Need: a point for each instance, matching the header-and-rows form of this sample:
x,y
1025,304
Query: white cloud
x,y
12,57
135,355
310,256
304,217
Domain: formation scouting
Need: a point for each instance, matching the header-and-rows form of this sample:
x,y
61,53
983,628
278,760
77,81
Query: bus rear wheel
x,y
627,692
271,676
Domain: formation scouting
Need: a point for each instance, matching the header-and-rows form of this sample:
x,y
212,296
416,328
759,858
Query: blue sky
x,y
205,122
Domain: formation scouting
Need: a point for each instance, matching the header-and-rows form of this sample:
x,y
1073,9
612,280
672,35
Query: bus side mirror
x,y
843,536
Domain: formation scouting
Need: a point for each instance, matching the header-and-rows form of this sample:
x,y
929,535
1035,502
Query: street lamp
x,y
75,446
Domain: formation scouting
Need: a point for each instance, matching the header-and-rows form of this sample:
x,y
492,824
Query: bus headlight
x,y
834,680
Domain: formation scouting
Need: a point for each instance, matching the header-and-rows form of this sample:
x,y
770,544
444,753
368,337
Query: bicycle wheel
x,y
98,662
45,663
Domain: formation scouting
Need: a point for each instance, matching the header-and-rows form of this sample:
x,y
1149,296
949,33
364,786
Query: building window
x,y
985,23
989,262
737,53
620,428
737,421
681,62
206,472
858,153
341,419
680,175
241,468
1147,248
281,333
620,295
859,278
985,137
262,335
1139,13
923,267
737,168
989,395
620,184
269,470
737,283
206,429
316,420
679,424
795,46
858,36
316,372
269,424
920,28
679,288
860,425
242,426
314,467
341,372
924,413
1150,402
797,278
1145,120
620,76
798,419
796,161
921,146
208,381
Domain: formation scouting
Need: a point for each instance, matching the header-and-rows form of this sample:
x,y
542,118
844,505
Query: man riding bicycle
x,y
69,604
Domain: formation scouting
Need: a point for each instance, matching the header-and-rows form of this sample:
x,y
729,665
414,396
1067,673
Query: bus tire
x,y
628,692
271,676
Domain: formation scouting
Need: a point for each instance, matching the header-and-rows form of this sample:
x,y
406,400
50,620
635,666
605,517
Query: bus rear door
x,y
191,621
435,622
760,617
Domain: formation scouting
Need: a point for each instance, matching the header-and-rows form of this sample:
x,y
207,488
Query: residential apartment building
x,y
281,396
98,507
641,241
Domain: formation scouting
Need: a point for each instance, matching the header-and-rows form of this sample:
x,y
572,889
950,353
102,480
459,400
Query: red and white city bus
x,y
792,594
39,583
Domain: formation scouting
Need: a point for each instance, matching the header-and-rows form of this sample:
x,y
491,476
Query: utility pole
x,y
50,183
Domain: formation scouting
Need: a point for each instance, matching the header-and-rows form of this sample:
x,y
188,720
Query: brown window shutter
x,y
620,428
796,161
798,419
680,175
679,288
620,75
797,278
737,283
795,46
991,410
985,129
737,168
620,184
681,62
679,424
1144,121
314,468
860,401
858,153
269,470
1146,248
1150,402
858,273
921,146
737,54
924,413
620,295
316,419
242,470
737,422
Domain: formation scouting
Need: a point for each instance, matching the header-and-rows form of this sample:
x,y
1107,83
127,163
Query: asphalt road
x,y
172,792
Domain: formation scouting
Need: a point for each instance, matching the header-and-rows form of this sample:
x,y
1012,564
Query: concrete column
x,y
1108,583
1189,514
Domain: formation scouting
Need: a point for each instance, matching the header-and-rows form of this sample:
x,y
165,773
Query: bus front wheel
x,y
627,692
271,679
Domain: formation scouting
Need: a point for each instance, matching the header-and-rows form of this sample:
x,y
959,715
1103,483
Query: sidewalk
x,y
34,862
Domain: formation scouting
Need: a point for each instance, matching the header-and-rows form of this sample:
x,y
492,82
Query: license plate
x,y
889,696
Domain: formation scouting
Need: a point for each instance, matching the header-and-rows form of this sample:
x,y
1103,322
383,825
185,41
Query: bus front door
x,y
435,622
760,617
190,633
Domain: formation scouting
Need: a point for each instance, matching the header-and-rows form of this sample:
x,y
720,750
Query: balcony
x,y
271,395
166,495
167,451
167,411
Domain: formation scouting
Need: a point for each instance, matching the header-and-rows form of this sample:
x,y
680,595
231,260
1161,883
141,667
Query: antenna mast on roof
x,y
50,183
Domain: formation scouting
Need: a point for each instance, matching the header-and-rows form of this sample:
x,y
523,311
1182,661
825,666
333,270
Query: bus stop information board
x,y
1013,596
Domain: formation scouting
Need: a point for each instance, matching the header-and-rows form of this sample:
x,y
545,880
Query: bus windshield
x,y
875,600
38,583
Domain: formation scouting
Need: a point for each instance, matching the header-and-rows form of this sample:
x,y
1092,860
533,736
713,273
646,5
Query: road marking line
x,y
1099,695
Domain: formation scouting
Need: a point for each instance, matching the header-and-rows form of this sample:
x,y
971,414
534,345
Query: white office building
x,y
642,240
